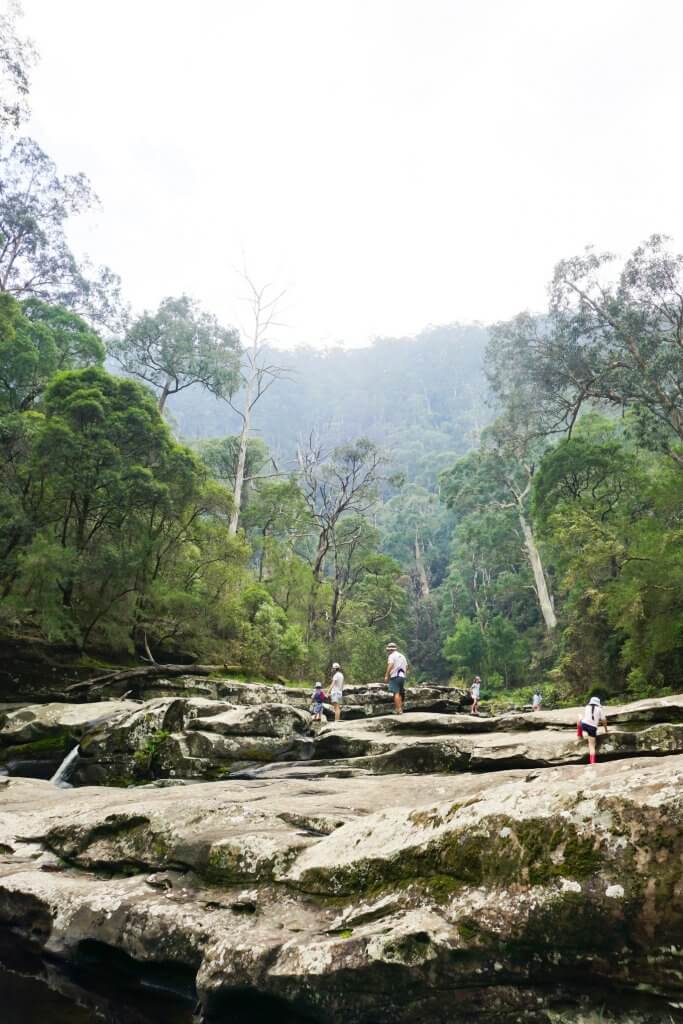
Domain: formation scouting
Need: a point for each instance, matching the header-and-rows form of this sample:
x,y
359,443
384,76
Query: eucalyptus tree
x,y
336,484
178,346
36,260
608,340
499,476
277,523
221,455
258,373
610,513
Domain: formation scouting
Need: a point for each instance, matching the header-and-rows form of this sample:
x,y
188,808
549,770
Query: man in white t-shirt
x,y
337,690
395,676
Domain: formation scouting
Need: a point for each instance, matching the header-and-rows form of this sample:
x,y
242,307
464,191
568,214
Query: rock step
x,y
128,743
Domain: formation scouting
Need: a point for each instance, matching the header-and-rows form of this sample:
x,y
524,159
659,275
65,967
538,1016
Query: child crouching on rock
x,y
319,699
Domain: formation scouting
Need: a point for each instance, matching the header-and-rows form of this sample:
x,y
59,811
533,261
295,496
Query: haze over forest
x,y
502,500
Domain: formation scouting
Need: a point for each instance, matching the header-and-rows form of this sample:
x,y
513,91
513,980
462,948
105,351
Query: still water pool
x,y
106,988
57,999
35,990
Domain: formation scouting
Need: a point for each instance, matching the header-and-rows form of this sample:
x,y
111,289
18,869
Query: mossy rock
x,y
504,852
47,748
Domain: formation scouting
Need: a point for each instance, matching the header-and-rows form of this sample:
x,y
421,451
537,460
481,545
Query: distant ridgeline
x,y
424,398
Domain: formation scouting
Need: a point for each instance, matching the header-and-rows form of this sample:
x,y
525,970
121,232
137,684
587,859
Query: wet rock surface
x,y
35,739
401,869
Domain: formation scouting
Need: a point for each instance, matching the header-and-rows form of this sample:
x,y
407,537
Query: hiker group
x,y
587,725
395,677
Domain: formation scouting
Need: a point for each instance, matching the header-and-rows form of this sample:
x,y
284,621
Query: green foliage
x,y
606,504
178,346
111,526
615,343
465,648
499,653
220,455
268,642
145,757
37,341
497,547
611,515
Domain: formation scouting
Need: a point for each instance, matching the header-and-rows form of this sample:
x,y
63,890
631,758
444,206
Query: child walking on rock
x,y
319,699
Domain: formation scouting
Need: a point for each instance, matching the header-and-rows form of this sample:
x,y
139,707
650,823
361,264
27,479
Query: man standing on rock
x,y
395,676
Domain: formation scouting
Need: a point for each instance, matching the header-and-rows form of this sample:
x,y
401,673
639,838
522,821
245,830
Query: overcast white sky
x,y
394,163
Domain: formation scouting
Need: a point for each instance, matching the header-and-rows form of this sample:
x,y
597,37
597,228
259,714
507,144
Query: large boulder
x,y
35,739
525,896
276,720
189,738
35,721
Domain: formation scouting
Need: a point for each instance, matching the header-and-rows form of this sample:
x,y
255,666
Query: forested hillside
x,y
504,501
423,398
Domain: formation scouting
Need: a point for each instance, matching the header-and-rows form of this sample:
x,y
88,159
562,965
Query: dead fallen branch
x,y
145,672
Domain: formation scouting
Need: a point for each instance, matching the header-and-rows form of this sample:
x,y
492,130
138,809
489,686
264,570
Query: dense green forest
x,y
505,501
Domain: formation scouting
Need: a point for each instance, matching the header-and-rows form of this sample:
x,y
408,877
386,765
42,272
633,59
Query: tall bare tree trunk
x,y
258,378
241,459
419,562
544,599
164,394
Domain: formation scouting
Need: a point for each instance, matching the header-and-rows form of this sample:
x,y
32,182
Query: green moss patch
x,y
226,865
45,748
505,851
128,842
146,757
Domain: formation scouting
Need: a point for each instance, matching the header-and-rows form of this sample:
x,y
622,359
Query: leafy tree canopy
x,y
38,340
178,346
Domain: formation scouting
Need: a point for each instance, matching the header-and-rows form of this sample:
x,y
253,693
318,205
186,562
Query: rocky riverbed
x,y
427,867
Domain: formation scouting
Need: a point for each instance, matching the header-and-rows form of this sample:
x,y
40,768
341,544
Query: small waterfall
x,y
66,767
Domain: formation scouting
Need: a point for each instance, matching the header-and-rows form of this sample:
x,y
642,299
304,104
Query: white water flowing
x,y
65,768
